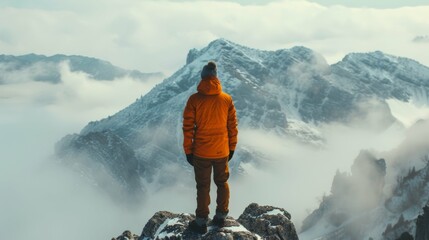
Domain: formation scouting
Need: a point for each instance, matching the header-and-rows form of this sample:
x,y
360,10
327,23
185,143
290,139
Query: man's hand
x,y
190,159
231,153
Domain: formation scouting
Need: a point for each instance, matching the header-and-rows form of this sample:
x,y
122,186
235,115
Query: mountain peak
x,y
214,50
231,53
387,67
378,55
222,42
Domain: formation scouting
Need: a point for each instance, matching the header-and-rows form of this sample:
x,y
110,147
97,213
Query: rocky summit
x,y
256,222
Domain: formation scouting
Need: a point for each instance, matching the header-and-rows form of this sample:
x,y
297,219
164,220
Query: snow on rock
x,y
268,222
168,226
127,235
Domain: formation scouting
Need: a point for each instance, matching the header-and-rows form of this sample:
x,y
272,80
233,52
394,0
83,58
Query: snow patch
x,y
236,229
168,222
274,212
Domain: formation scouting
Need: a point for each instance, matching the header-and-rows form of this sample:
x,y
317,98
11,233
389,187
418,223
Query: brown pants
x,y
203,169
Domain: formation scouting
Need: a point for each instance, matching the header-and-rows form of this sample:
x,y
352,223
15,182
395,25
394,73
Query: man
x,y
210,136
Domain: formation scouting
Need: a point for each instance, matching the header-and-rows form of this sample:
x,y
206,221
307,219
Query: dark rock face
x,y
268,222
422,226
399,230
126,235
256,222
405,236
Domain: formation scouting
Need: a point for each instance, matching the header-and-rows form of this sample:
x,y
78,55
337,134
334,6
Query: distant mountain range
x,y
47,69
288,92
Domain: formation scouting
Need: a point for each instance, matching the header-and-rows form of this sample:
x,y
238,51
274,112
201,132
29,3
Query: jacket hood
x,y
210,86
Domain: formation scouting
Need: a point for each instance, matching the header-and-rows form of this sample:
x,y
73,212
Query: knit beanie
x,y
209,70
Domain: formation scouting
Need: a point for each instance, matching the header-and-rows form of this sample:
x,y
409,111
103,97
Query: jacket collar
x,y
210,86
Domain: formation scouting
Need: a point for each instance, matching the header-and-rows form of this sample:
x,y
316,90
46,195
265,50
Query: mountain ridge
x,y
46,68
288,92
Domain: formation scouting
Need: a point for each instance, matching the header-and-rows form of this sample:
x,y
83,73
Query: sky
x,y
155,36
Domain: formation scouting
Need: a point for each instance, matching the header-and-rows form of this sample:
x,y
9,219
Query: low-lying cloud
x,y
45,200
77,96
41,198
297,175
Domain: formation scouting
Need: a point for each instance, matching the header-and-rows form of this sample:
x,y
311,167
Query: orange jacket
x,y
209,121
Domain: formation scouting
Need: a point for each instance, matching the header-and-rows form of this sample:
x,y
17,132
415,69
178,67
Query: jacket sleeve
x,y
232,127
188,126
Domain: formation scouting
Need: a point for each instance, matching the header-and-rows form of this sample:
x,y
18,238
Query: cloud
x,y
371,4
408,113
77,96
156,35
37,114
43,200
296,175
13,74
409,153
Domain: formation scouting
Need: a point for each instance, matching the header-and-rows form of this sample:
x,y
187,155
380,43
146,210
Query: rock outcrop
x,y
350,196
405,236
127,235
256,222
268,222
422,226
399,230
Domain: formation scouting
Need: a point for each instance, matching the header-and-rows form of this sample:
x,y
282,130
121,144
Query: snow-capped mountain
x,y
47,69
288,92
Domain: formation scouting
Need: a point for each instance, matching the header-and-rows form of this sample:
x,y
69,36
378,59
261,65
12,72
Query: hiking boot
x,y
219,222
195,227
